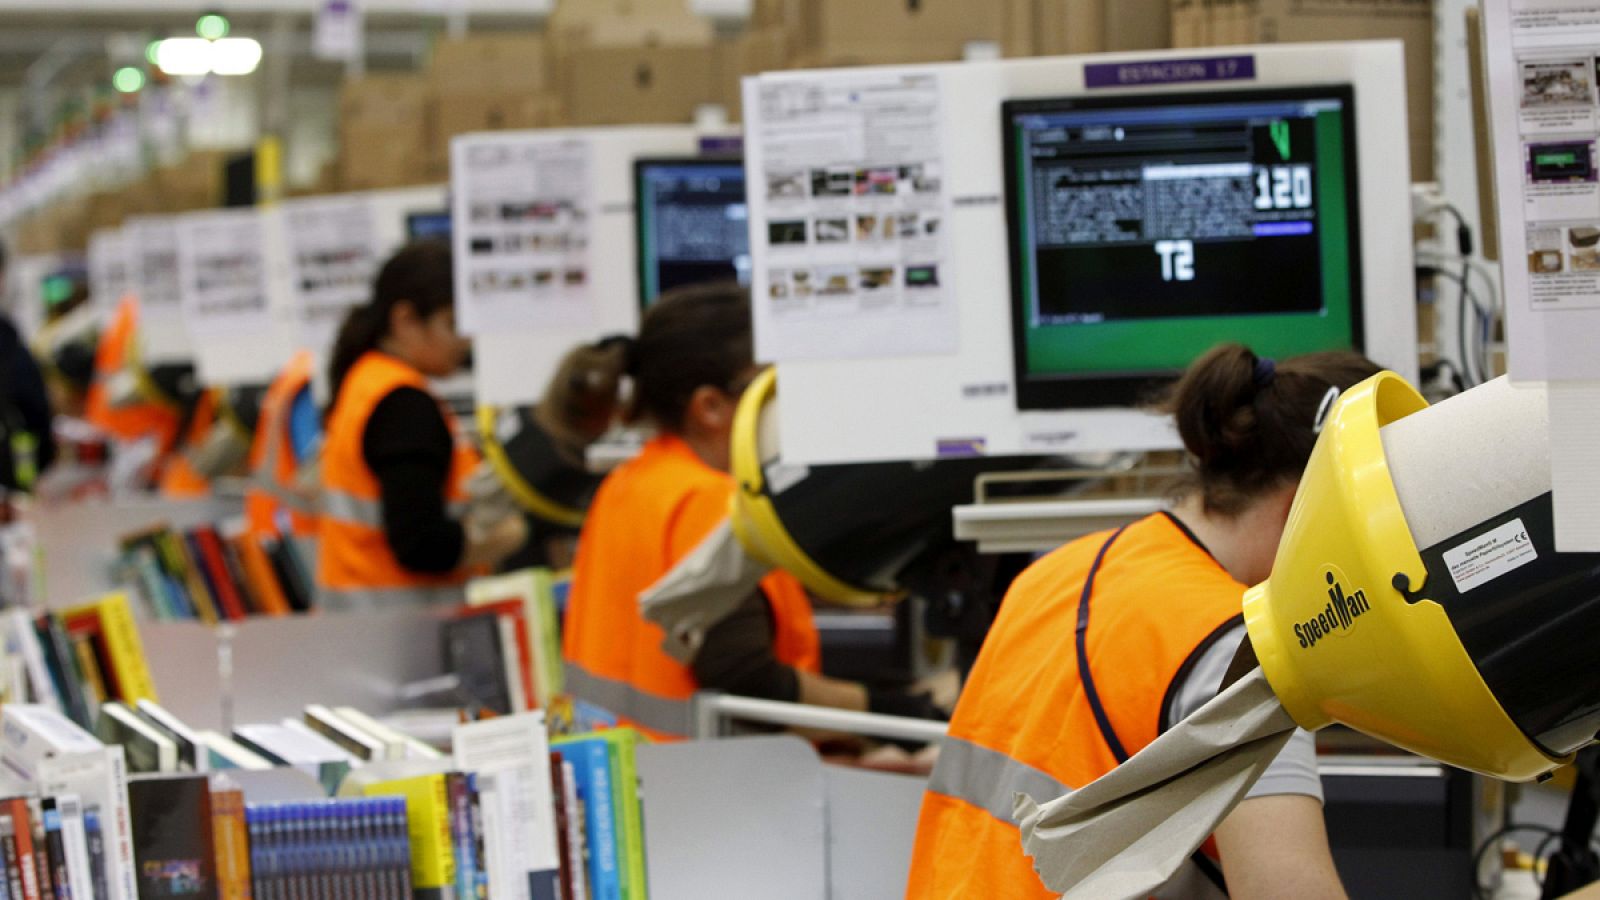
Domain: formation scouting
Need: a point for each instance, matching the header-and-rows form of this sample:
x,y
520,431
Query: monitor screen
x,y
425,226
692,224
1147,229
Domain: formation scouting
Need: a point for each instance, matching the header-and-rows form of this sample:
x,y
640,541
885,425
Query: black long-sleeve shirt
x,y
409,447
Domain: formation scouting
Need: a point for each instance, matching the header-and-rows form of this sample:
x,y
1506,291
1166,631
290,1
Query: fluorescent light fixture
x,y
184,56
235,56
198,56
128,80
212,26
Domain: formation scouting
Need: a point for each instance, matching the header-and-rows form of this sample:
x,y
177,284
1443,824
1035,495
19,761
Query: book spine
x,y
75,847
594,767
626,791
577,841
95,843
400,848
461,835
56,851
120,867
558,801
480,861
41,853
255,826
27,861
121,636
230,835
13,862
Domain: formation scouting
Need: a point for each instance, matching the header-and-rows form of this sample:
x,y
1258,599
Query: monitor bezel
x,y
640,167
1134,388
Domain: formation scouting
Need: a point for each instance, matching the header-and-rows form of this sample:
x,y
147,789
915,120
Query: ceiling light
x,y
212,27
184,56
128,80
235,56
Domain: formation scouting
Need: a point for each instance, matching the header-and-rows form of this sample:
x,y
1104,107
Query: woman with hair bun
x,y
1106,642
691,362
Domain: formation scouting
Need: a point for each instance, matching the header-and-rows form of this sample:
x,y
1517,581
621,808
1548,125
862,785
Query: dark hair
x,y
420,274
691,337
1249,423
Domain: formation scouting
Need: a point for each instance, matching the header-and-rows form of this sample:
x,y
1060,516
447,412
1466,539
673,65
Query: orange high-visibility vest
x,y
355,566
1029,718
648,514
274,472
179,479
115,357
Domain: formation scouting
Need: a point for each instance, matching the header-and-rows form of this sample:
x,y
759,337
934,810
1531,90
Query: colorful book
x,y
111,622
625,789
433,861
208,547
74,845
95,689
61,663
148,750
510,754
261,576
173,836
223,753
575,868
353,740
473,651
187,572
16,809
191,754
535,591
590,757
22,639
230,836
558,792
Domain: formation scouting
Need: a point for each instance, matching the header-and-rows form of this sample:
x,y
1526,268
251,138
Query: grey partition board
x,y
350,659
271,785
281,664
183,664
742,817
78,540
872,823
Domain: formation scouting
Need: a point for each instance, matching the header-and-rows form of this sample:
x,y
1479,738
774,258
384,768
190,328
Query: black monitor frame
x,y
640,238
1136,388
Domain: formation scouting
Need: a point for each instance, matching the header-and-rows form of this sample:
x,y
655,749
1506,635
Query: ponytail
x,y
1249,422
585,395
420,274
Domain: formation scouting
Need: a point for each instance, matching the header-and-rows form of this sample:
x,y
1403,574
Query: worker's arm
x,y
1277,846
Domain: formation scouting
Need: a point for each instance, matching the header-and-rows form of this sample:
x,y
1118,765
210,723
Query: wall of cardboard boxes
x,y
603,62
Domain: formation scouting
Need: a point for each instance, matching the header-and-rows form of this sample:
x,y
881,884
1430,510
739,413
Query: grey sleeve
x,y
1294,771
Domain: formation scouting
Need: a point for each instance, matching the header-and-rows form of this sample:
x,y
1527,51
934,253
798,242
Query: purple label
x,y
957,448
1170,71
721,145
1282,229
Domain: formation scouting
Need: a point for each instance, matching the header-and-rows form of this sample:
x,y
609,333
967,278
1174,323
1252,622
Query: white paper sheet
x,y
154,248
1544,66
522,218
223,273
333,254
110,267
848,217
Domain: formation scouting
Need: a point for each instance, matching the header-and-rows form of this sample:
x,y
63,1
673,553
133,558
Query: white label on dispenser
x,y
1487,557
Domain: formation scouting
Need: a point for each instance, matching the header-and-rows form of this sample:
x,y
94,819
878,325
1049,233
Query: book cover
x,y
231,838
16,809
157,568
472,651
75,846
173,844
296,590
186,572
41,852
591,765
533,591
23,640
236,573
100,777
206,581
479,842
148,750
95,689
13,862
576,862
558,792
208,547
95,842
120,636
427,823
461,835
294,563
516,750
63,675
330,725
625,790
191,754
55,850
399,744
261,576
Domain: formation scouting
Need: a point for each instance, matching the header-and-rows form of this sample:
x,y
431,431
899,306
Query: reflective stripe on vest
x,y
674,717
347,507
285,497
989,779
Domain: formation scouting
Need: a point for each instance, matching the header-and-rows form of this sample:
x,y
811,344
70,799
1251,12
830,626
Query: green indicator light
x,y
151,51
128,80
212,27
1557,159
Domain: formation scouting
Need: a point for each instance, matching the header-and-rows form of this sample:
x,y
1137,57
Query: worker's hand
x,y
488,545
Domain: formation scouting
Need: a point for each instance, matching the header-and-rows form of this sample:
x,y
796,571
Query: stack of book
x,y
215,573
75,661
339,848
505,644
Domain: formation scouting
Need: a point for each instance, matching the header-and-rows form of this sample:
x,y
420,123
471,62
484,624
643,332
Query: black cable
x,y
1467,297
1478,890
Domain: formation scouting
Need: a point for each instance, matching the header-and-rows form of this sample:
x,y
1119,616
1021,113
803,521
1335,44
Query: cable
x,y
1478,890
1467,297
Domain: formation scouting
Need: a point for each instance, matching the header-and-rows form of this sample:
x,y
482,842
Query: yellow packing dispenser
x,y
1359,625
546,482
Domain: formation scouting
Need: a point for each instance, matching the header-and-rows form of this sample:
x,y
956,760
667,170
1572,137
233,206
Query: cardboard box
x,y
385,100
1216,23
579,14
751,53
375,156
605,85
460,112
514,62
934,29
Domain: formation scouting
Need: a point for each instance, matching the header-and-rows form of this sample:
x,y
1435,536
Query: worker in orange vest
x,y
691,361
278,458
393,529
1108,641
180,478
122,399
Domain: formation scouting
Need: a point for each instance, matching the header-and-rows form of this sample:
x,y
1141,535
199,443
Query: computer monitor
x,y
692,224
1147,228
424,226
